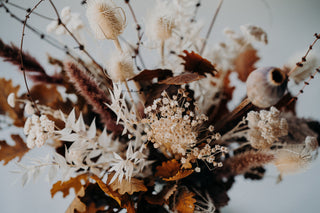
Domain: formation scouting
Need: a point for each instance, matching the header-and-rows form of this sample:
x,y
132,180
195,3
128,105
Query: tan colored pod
x,y
266,86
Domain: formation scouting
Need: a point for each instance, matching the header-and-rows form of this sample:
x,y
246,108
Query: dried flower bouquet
x,y
128,135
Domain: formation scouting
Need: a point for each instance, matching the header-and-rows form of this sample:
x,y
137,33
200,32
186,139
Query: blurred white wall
x,y
290,25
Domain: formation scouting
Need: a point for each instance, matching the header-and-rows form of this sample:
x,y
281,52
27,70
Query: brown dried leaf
x,y
148,75
196,64
15,113
134,185
123,200
185,202
163,196
64,187
170,171
244,63
76,205
46,95
8,153
184,78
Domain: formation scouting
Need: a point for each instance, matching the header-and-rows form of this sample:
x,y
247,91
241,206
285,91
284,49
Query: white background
x,y
290,25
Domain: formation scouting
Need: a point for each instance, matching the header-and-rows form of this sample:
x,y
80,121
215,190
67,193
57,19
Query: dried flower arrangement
x,y
153,138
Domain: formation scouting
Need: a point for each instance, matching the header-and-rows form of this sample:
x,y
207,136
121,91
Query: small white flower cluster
x,y
71,20
38,129
265,127
174,128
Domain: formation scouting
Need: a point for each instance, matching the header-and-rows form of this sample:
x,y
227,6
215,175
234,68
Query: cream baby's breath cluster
x,y
174,125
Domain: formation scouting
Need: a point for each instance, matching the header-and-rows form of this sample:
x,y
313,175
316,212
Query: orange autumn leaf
x,y
125,186
180,174
8,153
46,95
123,200
64,187
194,62
170,171
185,202
244,63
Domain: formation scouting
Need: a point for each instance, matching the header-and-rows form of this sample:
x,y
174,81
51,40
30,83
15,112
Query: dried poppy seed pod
x,y
266,86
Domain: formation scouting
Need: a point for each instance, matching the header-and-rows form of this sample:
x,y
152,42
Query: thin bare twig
x,y
210,27
21,55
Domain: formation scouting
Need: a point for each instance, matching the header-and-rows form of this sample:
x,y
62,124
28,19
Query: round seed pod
x,y
266,86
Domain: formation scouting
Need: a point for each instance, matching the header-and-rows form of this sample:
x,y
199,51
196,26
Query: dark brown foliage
x,y
193,62
31,66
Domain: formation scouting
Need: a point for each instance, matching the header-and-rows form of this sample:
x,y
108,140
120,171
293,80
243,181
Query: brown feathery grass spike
x,y
89,89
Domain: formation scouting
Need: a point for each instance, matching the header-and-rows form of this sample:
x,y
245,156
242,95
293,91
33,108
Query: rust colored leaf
x,y
15,113
134,185
170,171
244,63
180,174
193,62
46,95
64,187
8,153
148,75
123,200
185,202
184,78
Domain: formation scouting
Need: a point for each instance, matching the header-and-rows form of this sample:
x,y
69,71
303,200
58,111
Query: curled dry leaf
x,y
163,196
171,171
184,78
185,202
8,153
194,63
123,200
244,63
64,187
149,75
125,186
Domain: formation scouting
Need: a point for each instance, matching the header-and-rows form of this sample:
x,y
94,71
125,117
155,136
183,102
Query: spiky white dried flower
x,y
11,100
120,66
106,19
265,127
28,108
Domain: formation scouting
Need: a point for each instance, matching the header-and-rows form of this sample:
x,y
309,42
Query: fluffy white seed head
x,y
106,20
160,23
120,66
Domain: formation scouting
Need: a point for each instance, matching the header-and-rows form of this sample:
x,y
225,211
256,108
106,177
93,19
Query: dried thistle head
x,y
120,66
107,21
160,23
